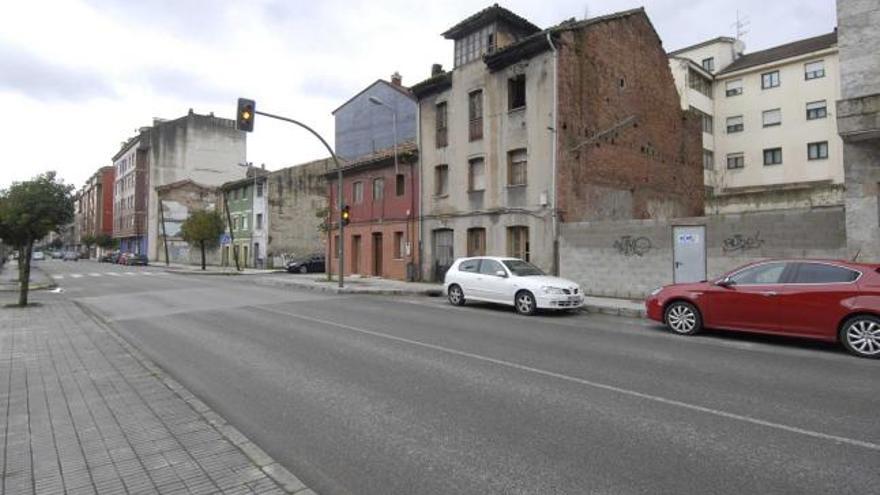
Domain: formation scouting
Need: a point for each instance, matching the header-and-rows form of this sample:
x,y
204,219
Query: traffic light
x,y
245,116
346,215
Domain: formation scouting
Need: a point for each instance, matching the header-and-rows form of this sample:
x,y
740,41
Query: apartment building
x,y
769,139
203,148
535,127
96,206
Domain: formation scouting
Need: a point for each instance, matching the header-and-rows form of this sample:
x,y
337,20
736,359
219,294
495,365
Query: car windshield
x,y
522,269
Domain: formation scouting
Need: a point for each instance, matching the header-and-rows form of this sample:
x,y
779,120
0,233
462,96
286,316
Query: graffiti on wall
x,y
739,242
633,246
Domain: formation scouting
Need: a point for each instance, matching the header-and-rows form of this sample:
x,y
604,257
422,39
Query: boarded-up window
x,y
476,241
441,122
475,115
518,242
517,165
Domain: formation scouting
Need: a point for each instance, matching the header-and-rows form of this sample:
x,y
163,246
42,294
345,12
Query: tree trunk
x,y
25,274
203,254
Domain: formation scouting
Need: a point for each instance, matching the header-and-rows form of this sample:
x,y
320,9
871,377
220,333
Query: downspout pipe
x,y
553,202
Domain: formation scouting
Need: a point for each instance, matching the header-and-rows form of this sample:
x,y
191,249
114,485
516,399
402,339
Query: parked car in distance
x,y
509,281
313,263
38,256
57,255
137,259
121,258
109,257
71,256
834,301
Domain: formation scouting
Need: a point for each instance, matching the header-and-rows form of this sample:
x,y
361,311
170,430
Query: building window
x,y
772,117
517,166
814,70
773,156
475,45
817,110
708,160
770,80
441,180
735,161
399,246
516,92
442,121
733,88
259,189
476,175
709,64
358,192
476,241
735,124
378,189
475,115
698,82
817,151
400,185
259,221
518,242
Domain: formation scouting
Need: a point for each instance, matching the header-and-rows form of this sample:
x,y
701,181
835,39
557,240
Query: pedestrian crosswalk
x,y
107,274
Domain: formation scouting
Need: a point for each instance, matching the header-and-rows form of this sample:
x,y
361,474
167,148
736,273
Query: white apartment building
x,y
769,140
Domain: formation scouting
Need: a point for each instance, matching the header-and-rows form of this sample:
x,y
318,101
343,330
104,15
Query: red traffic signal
x,y
245,115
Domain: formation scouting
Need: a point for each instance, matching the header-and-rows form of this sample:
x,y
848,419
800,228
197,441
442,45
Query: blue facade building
x,y
364,123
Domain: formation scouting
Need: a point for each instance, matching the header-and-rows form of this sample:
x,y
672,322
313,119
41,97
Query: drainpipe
x,y
420,218
553,203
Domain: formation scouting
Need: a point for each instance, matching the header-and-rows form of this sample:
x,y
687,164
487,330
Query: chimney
x,y
396,79
436,70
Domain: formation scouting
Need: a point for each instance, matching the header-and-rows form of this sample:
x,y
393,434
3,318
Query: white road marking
x,y
58,277
146,273
602,386
94,274
112,274
76,275
130,273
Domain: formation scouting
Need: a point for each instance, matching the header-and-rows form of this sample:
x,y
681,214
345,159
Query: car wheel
x,y
683,318
525,303
304,269
456,296
860,336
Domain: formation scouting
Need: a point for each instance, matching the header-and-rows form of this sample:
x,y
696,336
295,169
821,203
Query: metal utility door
x,y
443,252
689,253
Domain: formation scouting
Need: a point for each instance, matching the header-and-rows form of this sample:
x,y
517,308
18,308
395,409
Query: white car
x,y
509,281
38,256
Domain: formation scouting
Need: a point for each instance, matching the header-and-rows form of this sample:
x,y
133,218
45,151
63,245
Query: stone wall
x,y
296,195
630,258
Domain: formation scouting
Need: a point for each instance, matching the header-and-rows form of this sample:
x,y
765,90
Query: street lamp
x,y
378,102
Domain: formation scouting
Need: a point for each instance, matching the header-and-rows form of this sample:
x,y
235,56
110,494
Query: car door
x,y
467,276
493,286
814,302
750,301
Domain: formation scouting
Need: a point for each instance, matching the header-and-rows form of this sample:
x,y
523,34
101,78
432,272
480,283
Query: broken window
x,y
441,180
516,92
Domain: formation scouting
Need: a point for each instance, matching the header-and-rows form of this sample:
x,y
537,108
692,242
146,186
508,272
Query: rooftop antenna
x,y
742,23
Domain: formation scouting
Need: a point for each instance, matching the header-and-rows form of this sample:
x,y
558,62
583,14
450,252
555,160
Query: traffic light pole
x,y
340,245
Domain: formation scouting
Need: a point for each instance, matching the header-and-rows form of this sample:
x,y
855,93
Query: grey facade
x,y
364,127
858,122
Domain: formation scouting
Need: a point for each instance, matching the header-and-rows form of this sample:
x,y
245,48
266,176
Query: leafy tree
x,y
88,241
203,228
105,241
28,212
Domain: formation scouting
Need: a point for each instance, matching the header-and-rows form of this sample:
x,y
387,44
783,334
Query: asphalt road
x,y
380,395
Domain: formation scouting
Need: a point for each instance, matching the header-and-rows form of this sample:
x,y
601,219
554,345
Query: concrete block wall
x,y
630,258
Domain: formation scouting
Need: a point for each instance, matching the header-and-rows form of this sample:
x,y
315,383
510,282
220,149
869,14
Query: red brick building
x,y
96,205
382,237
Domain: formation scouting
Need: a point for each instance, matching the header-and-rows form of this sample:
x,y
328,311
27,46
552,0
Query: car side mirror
x,y
725,282
501,273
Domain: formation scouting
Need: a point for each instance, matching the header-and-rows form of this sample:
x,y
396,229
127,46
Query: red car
x,y
835,301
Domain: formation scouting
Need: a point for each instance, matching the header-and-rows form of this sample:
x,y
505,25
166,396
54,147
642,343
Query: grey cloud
x,y
201,20
184,85
330,87
28,74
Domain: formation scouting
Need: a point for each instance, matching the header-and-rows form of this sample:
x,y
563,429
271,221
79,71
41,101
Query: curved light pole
x,y
341,244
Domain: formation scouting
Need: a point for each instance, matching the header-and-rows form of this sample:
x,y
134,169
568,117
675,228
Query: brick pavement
x,y
83,412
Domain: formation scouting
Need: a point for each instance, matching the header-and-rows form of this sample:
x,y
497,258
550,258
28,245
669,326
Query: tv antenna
x,y
741,25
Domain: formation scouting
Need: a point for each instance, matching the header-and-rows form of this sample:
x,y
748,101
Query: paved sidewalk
x,y
615,306
85,413
9,277
211,269
353,285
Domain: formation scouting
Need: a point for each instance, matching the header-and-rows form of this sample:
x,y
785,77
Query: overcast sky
x,y
77,77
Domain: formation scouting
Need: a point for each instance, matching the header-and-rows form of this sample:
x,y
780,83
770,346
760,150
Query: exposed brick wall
x,y
649,167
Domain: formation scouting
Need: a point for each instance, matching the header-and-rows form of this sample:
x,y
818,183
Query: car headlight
x,y
656,291
552,290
